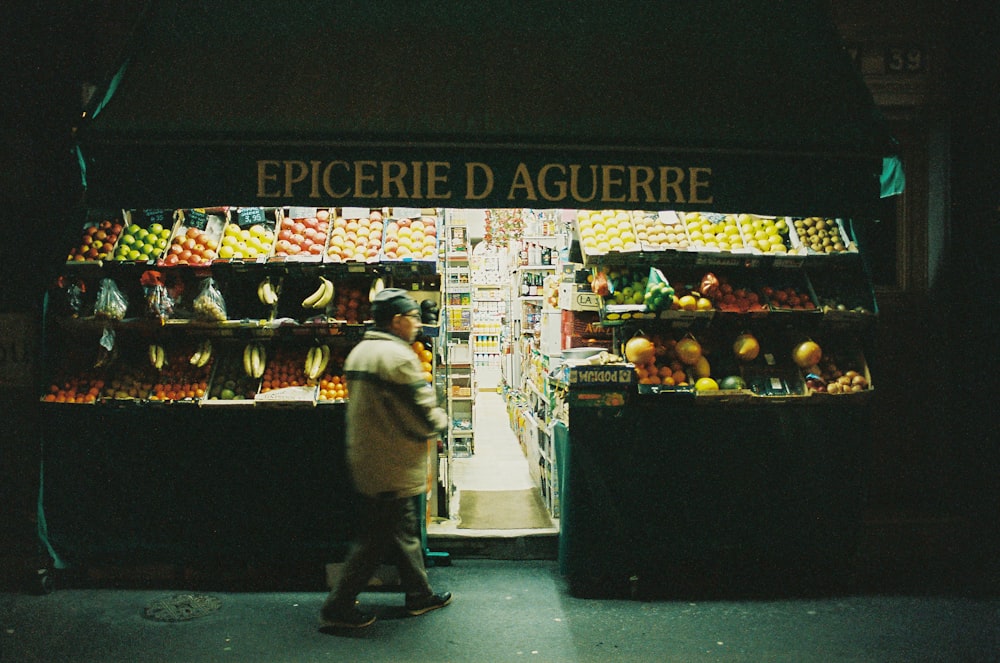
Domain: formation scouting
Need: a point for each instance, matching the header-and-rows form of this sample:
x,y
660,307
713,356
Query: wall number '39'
x,y
904,59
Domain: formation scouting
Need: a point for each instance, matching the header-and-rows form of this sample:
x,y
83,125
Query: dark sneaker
x,y
352,618
432,602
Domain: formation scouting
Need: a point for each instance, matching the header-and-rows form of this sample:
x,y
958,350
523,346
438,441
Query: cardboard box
x,y
611,375
584,329
577,297
596,397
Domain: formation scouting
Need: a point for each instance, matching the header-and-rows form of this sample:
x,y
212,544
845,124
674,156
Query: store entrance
x,y
493,487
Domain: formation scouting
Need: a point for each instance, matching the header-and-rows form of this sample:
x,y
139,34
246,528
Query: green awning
x,y
751,106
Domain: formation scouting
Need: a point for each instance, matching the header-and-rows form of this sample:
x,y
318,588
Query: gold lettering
x,y
696,183
522,180
293,177
264,177
389,179
418,167
328,185
671,178
640,177
361,178
314,171
434,179
609,180
574,184
559,184
470,180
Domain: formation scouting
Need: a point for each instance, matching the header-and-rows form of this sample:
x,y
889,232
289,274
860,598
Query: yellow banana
x,y
203,354
327,294
310,301
377,286
258,360
270,293
311,356
247,359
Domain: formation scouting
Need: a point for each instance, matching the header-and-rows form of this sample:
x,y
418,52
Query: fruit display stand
x,y
196,413
729,450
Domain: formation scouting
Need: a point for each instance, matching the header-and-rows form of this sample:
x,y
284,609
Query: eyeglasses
x,y
413,314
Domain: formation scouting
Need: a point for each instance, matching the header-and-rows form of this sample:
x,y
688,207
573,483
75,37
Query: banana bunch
x,y
254,359
202,354
377,286
157,357
322,296
267,293
316,360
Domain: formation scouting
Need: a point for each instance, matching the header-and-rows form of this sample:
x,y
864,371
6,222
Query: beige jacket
x,y
391,413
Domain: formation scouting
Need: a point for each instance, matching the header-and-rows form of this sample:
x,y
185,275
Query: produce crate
x,y
849,361
284,382
845,299
776,385
659,232
195,237
145,235
606,235
179,380
249,235
356,235
411,237
130,374
302,234
98,238
229,384
804,229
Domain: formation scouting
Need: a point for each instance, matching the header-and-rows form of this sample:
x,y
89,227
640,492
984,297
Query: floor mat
x,y
502,509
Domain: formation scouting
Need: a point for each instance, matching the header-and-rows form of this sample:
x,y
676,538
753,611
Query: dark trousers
x,y
390,534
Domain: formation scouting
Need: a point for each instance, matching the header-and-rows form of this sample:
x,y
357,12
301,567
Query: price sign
x,y
195,218
250,216
147,217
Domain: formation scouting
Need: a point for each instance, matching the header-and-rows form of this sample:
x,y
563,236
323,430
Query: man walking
x,y
391,413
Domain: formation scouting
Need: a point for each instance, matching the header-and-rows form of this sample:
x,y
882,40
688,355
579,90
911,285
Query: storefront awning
x,y
751,106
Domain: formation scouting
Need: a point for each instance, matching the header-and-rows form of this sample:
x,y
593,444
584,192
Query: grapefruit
x,y
706,384
639,350
807,354
688,350
746,347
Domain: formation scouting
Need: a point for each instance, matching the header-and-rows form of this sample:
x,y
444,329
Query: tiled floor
x,y
497,464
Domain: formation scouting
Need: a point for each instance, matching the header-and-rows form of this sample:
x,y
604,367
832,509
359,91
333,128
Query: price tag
x,y
355,213
405,213
301,212
147,217
249,216
196,218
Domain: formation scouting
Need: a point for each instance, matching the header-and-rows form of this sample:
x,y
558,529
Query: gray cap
x,y
390,302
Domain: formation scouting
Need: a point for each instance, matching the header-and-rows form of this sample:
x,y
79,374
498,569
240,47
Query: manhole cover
x,y
181,607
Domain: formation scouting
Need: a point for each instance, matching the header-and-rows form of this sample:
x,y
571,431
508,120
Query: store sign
x,y
439,182
145,175
17,350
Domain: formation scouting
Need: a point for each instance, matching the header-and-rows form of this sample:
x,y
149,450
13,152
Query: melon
x,y
639,350
688,350
807,354
746,347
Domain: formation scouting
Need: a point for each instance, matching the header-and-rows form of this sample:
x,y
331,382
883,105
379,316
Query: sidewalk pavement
x,y
504,610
